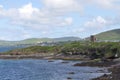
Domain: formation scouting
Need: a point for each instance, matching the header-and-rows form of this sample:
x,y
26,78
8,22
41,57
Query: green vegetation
x,y
38,40
92,50
109,35
35,40
34,50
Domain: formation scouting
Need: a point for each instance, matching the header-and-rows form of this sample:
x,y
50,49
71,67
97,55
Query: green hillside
x,y
35,40
66,39
92,50
38,40
109,35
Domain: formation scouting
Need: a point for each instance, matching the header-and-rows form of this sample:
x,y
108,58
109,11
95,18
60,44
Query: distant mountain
x,y
2,42
39,40
109,35
66,39
34,40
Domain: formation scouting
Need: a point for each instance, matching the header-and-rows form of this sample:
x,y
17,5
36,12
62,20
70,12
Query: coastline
x,y
113,66
44,56
115,74
21,57
69,71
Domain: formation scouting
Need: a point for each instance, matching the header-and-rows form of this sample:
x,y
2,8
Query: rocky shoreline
x,y
26,56
113,66
115,74
97,64
44,56
22,57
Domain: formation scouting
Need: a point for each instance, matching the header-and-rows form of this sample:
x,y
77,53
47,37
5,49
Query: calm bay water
x,y
7,48
31,69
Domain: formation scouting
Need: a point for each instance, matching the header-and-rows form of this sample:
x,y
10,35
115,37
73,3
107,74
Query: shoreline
x,y
112,66
115,74
38,56
21,57
68,73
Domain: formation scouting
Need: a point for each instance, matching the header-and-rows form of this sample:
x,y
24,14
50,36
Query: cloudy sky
x,y
21,19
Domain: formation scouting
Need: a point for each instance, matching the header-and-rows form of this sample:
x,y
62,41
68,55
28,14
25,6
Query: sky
x,y
22,19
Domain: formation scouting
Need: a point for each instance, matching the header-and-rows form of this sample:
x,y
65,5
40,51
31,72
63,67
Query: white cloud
x,y
1,10
3,38
63,5
26,35
27,11
79,5
96,22
104,3
1,7
67,21
99,24
31,17
44,32
79,30
52,14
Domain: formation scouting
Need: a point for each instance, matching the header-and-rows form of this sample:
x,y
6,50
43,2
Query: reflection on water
x,y
44,70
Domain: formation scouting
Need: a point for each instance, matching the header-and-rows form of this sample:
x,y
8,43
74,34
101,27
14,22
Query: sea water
x,y
8,48
33,69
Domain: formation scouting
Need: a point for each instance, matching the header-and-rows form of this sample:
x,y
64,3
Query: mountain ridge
x,y
39,40
109,35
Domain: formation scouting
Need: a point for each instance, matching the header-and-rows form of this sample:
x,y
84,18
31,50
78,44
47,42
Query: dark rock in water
x,y
50,61
104,77
71,73
65,62
69,78
96,64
